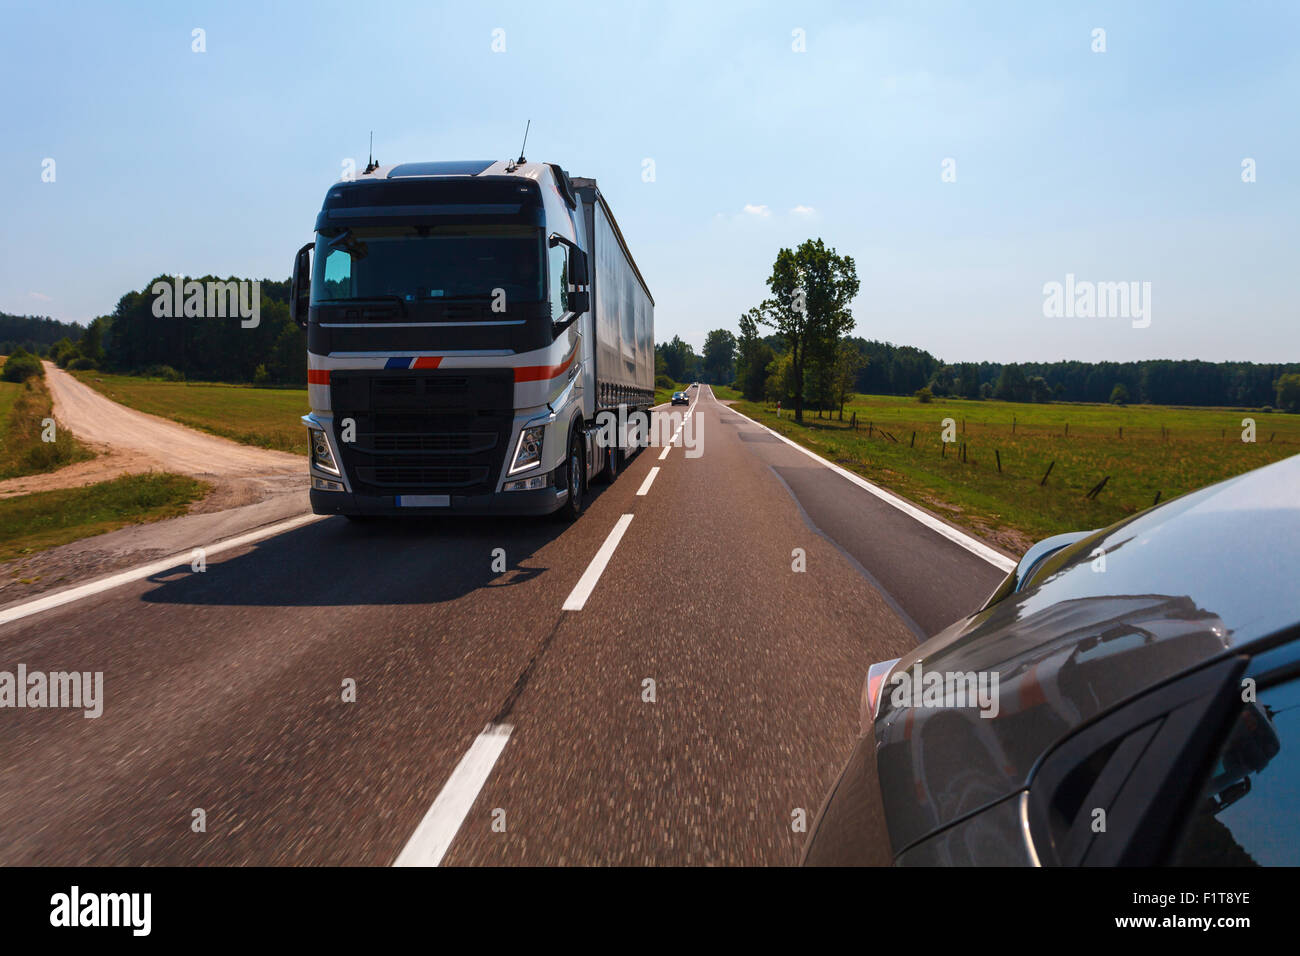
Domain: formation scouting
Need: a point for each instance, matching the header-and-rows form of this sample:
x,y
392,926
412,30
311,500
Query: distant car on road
x,y
679,398
1126,697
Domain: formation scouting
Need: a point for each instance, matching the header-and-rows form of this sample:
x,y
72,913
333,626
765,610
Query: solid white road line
x,y
60,598
587,583
974,546
429,843
649,480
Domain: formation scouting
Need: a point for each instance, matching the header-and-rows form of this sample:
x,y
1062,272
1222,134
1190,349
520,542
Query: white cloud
x,y
41,296
803,210
753,210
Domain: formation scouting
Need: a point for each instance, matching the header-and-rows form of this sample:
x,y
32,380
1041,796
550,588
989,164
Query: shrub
x,y
81,364
164,372
663,381
21,366
924,395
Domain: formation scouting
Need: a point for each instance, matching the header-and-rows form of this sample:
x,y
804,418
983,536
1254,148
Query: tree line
x,y
795,348
133,340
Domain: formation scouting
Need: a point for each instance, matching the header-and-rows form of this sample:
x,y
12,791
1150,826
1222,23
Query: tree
x,y
847,362
753,375
779,385
1039,390
1288,392
811,287
1119,394
1012,386
944,381
92,341
748,340
719,357
678,358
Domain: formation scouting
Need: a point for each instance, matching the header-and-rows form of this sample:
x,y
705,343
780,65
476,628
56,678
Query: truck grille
x,y
422,431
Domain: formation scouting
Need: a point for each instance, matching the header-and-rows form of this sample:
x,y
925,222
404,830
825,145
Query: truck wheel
x,y
577,472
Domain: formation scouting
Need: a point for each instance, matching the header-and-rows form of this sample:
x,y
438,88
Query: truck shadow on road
x,y
337,563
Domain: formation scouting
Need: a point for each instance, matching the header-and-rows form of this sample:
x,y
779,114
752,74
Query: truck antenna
x,y
371,166
525,143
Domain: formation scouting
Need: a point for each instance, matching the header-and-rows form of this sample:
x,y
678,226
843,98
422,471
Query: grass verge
x,y
46,519
25,408
993,477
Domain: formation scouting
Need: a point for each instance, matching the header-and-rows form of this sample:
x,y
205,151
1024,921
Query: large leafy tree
x,y
811,288
719,357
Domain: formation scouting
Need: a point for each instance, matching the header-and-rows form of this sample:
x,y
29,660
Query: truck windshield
x,y
424,263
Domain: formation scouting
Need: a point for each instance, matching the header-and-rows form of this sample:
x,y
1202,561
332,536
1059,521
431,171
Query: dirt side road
x,y
127,441
251,487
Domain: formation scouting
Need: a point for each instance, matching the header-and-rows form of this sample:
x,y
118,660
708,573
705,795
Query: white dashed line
x,y
649,480
587,583
429,843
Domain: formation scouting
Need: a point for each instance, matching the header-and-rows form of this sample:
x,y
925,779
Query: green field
x,y
267,417
30,523
1143,450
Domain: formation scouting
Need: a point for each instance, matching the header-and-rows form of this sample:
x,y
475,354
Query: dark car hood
x,y
1192,580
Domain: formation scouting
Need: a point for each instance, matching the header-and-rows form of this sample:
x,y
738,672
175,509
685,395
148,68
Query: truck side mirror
x,y
577,267
300,287
579,302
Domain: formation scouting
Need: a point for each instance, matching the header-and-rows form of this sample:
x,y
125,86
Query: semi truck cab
x,y
468,324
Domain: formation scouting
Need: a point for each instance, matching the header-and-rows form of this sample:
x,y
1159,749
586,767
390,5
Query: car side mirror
x,y
1032,562
300,287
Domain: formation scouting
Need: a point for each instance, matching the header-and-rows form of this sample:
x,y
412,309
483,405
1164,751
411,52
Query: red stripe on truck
x,y
540,373
318,376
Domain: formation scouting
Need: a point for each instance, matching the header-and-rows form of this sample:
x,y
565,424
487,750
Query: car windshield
x,y
419,263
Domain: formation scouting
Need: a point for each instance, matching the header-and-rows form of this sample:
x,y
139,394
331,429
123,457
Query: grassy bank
x,y
24,409
663,395
266,417
47,519
1139,450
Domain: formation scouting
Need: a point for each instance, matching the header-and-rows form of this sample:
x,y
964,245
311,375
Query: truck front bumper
x,y
544,501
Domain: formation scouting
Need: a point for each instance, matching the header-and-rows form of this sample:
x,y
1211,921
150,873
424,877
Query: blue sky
x,y
1115,166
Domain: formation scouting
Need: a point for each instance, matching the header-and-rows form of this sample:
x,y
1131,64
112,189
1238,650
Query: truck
x,y
472,327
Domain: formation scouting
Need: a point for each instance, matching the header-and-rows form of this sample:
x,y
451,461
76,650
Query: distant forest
x,y
133,340
886,369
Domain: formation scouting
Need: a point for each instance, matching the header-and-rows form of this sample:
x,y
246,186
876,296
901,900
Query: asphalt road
x,y
491,725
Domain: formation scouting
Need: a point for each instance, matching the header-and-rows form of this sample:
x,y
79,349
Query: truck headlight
x,y
321,455
528,453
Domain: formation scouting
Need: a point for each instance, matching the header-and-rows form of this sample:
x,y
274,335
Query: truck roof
x,y
548,173
460,168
